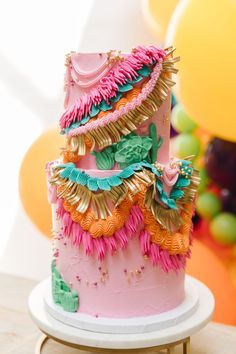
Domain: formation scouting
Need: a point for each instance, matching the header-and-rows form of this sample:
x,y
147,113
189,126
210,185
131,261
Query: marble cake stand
x,y
163,337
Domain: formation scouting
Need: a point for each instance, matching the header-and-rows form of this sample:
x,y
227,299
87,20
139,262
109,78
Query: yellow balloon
x,y
204,34
157,14
32,178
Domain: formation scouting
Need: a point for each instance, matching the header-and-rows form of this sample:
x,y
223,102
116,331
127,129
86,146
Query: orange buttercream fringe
x,y
100,227
175,243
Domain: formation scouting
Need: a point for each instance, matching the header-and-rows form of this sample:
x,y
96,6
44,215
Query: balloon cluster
x,y
216,160
203,33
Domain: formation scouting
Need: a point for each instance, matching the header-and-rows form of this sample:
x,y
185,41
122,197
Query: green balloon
x,y
185,145
181,122
204,180
223,228
208,205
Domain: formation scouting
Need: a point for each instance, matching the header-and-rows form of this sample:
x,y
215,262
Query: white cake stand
x,y
164,337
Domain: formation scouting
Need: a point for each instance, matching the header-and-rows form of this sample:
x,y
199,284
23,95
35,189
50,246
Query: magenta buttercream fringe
x,y
134,226
108,86
160,256
101,245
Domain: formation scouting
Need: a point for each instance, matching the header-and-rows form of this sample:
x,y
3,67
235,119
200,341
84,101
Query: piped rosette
x,y
129,89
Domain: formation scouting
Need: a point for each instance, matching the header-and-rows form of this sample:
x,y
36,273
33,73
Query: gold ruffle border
x,y
102,203
99,202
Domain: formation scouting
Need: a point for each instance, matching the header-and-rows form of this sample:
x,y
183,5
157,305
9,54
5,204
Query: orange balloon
x,y
203,31
205,266
32,178
232,272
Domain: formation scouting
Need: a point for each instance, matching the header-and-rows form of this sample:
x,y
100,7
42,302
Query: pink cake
x,y
122,207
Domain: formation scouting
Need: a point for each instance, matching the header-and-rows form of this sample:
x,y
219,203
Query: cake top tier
x,y
109,95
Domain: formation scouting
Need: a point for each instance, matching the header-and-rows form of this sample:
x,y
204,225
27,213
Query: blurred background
x,y
35,36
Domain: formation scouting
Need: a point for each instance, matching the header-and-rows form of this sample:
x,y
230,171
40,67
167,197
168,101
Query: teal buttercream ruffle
x,y
144,71
104,106
74,174
125,87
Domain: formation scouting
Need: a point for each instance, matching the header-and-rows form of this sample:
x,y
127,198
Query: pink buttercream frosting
x,y
121,286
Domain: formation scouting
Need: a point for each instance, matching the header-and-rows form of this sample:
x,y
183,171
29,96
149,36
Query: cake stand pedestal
x,y
166,338
168,348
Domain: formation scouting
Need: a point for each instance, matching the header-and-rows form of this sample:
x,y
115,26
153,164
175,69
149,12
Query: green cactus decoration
x,y
132,148
62,295
156,142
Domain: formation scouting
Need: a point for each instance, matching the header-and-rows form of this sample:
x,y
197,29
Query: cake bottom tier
x,y
123,285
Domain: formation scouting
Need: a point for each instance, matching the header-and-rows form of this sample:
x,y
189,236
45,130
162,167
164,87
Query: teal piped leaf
x,y
125,88
177,193
127,172
164,197
82,178
151,167
115,181
66,172
182,182
137,166
72,126
94,111
135,81
159,186
104,106
85,120
171,203
144,71
168,201
92,184
103,184
73,175
186,163
116,98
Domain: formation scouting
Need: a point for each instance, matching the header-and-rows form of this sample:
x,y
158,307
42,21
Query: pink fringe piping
x,y
159,256
114,116
102,245
132,227
109,84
